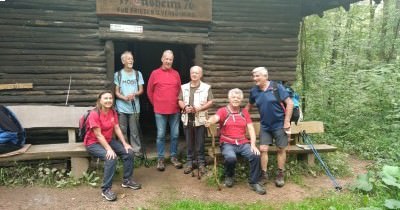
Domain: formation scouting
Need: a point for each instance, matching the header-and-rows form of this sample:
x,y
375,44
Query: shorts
x,y
280,136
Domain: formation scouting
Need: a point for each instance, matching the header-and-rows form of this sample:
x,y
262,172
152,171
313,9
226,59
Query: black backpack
x,y
82,124
12,134
293,95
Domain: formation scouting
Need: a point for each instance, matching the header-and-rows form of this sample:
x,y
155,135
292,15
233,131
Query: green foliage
x,y
382,185
43,174
351,79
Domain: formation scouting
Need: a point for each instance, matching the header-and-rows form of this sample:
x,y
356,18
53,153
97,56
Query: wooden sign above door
x,y
189,10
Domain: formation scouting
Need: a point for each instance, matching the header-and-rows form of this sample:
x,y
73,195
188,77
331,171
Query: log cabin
x,y
56,52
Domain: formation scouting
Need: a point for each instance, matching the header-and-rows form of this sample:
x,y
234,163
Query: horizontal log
x,y
50,69
35,34
181,38
60,44
50,31
271,54
82,76
33,14
86,41
48,99
246,35
252,63
52,63
244,68
49,23
51,92
51,52
53,5
89,59
53,81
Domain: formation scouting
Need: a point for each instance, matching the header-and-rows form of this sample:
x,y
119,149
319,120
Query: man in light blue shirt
x,y
129,86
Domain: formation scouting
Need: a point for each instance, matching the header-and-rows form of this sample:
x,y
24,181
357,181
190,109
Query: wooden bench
x,y
50,117
296,146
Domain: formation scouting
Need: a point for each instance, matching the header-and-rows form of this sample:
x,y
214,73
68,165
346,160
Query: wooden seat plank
x,y
292,149
50,151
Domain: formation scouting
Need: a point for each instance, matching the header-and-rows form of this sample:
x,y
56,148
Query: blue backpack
x,y
12,134
293,95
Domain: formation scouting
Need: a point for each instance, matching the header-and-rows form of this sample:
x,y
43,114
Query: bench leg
x,y
78,166
311,159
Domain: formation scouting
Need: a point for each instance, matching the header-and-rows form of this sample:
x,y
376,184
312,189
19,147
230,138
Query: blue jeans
x,y
161,122
229,151
98,151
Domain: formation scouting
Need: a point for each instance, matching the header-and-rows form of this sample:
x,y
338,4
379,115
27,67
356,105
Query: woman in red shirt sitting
x,y
101,124
233,122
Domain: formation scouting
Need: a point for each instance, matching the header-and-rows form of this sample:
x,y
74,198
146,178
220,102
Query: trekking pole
x,y
215,158
141,140
308,141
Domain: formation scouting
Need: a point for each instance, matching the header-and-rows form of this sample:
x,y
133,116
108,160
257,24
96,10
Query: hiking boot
x,y
280,178
188,169
109,195
160,165
202,169
176,163
258,188
263,178
131,184
228,181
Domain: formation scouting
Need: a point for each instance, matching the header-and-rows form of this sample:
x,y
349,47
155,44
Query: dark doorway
x,y
147,56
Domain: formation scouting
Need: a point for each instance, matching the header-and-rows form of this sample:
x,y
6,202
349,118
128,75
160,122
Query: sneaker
x,y
160,165
263,178
109,195
131,184
228,181
258,188
176,163
202,169
188,169
280,178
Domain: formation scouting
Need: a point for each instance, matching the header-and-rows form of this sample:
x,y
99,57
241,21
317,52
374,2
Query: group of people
x,y
188,103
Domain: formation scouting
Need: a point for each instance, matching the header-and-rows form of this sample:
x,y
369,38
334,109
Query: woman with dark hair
x,y
101,124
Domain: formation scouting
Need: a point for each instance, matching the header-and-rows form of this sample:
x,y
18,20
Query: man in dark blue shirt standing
x,y
274,119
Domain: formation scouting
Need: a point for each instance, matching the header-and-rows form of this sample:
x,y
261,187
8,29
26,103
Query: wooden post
x,y
198,55
109,48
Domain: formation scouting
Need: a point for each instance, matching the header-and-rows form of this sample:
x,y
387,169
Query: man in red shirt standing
x,y
163,90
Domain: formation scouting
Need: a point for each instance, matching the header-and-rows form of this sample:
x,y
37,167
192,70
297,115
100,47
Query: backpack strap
x,y
230,113
277,95
119,77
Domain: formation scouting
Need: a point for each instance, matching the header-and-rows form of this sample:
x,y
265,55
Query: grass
x,y
331,201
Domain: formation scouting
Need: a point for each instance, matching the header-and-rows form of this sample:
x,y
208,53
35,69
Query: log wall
x,y
47,42
248,34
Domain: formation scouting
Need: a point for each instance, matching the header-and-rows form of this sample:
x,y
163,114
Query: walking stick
x,y
141,140
215,159
308,140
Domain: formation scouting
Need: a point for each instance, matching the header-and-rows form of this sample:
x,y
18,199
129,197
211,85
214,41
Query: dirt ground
x,y
161,187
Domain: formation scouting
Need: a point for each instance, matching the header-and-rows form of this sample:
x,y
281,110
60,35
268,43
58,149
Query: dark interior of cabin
x,y
147,57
